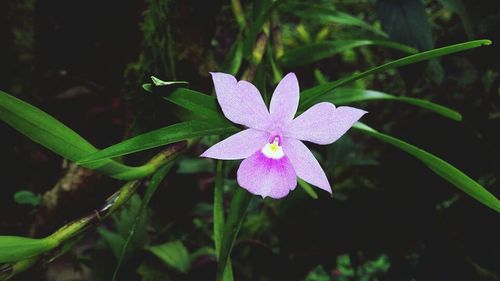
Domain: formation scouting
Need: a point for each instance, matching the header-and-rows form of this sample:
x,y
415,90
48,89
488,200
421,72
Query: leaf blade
x,y
341,96
159,137
174,254
309,96
439,166
57,137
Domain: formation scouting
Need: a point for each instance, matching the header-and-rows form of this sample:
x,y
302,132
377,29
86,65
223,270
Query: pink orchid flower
x,y
272,149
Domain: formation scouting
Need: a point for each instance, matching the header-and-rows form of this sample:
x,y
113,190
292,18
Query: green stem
x,y
239,205
238,13
218,208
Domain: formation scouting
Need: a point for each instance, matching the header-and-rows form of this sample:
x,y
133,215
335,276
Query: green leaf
x,y
309,97
202,105
439,166
218,217
57,137
313,52
173,254
160,137
234,58
342,96
16,248
327,15
307,188
27,197
239,204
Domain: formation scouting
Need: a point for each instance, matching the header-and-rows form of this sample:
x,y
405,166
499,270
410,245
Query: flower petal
x,y
240,101
323,123
267,176
305,165
238,146
285,99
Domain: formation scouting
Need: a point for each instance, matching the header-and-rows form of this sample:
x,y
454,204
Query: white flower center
x,y
273,150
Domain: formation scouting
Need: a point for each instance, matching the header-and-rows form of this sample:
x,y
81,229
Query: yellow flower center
x,y
273,150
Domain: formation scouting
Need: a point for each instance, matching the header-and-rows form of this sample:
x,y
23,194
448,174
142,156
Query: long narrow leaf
x,y
206,106
309,96
439,166
202,105
218,217
341,96
317,51
57,137
160,137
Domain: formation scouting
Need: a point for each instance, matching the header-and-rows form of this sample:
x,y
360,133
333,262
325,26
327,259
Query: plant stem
x,y
237,211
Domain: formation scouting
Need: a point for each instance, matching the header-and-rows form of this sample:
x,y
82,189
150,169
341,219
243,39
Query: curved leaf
x,y
317,51
439,166
200,104
57,137
160,137
341,96
309,96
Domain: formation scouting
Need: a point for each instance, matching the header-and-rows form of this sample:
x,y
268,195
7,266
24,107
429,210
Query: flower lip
x,y
273,150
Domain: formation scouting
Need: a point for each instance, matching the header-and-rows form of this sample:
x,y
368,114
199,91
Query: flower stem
x,y
237,211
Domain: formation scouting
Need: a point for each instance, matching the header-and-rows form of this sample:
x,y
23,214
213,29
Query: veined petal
x,y
323,123
305,164
265,176
240,101
238,146
285,99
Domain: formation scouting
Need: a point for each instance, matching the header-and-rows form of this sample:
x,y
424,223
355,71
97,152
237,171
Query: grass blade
x,y
160,137
309,96
219,218
439,166
343,96
57,137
